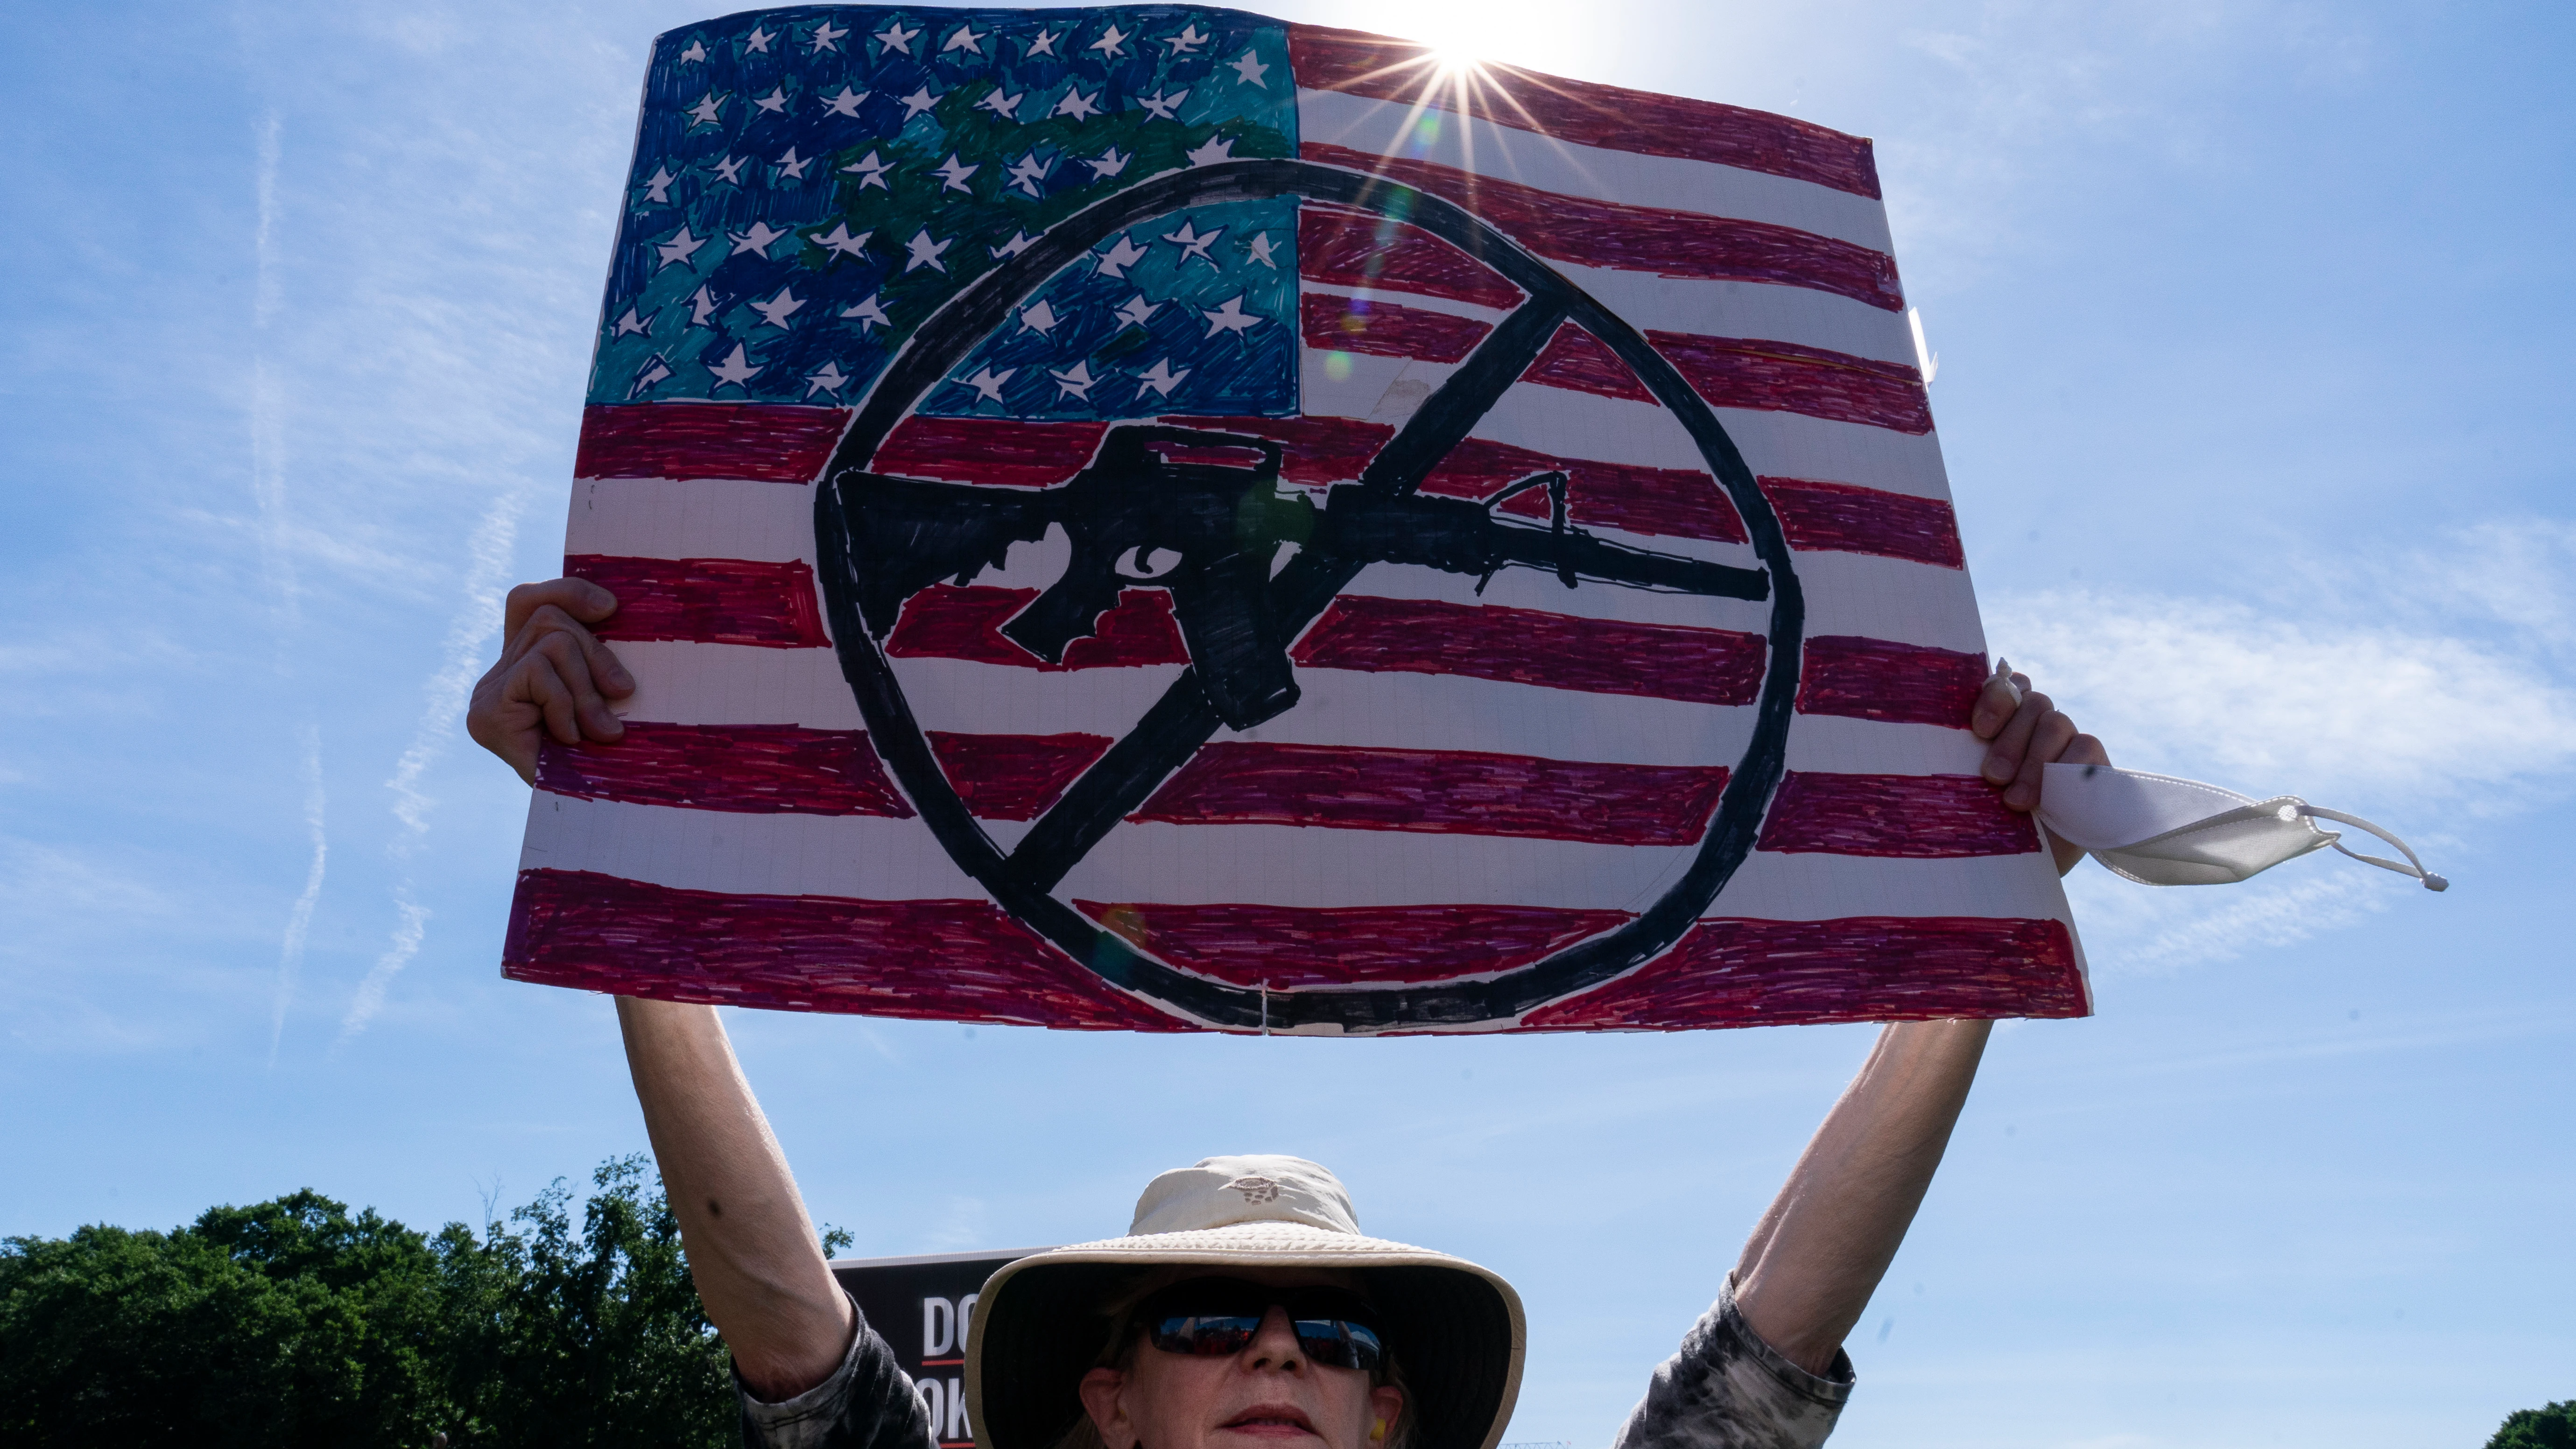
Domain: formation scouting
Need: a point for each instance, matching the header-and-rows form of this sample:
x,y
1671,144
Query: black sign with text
x,y
922,1308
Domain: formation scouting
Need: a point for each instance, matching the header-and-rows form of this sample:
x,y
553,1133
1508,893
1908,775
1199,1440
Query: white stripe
x,y
734,684
1570,424
1513,153
1705,308
873,858
695,518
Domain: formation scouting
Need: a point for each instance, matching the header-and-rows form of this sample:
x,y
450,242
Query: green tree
x,y
2552,1426
293,1322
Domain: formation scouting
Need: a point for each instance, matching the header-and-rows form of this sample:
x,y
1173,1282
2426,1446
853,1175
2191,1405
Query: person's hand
x,y
554,679
2024,732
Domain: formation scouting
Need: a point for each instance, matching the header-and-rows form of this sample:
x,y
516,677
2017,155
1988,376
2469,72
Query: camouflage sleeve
x,y
1727,1389
867,1403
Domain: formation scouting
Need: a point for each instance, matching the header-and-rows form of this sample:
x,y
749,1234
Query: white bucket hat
x,y
1041,1323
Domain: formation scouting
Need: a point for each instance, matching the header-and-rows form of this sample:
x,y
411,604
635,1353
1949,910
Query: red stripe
x,y
1670,502
944,960
1861,968
1860,678
1913,817
1447,792
1336,323
1288,946
740,769
1643,238
1846,518
1575,358
757,442
1527,646
1744,372
988,450
1013,777
1357,249
708,600
1589,114
945,621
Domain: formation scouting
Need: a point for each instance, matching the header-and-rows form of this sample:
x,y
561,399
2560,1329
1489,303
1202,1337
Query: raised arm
x,y
760,1270
1816,1257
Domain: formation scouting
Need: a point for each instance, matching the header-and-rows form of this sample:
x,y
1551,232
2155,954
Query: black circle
x,y
1024,887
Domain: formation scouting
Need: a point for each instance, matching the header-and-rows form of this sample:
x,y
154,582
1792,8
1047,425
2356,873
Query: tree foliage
x,y
2552,1426
293,1322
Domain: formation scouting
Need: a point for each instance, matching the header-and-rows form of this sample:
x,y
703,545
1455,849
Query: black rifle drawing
x,y
1150,494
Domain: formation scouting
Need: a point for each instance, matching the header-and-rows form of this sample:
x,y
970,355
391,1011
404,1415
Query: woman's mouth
x,y
1280,1420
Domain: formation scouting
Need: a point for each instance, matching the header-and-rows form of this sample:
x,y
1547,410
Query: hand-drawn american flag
x,y
1489,785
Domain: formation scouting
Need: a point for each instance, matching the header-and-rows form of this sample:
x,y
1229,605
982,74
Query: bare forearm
x,y
1811,1265
759,1270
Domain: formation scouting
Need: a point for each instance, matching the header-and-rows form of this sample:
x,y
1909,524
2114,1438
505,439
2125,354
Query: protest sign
x,y
1160,518
922,1307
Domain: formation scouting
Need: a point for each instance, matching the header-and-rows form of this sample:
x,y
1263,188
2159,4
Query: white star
x,y
729,170
775,102
1194,243
1136,311
776,311
1161,106
705,110
1028,171
1159,377
702,308
965,39
756,241
1262,251
1040,319
1122,255
1044,44
679,248
844,104
953,176
1228,317
735,370
1251,69
1020,241
758,40
1001,105
918,102
826,38
657,187
792,168
1109,42
1188,41
871,172
988,383
653,371
895,37
870,315
1076,104
1218,148
829,379
838,239
632,323
1074,381
921,252
1108,163
692,56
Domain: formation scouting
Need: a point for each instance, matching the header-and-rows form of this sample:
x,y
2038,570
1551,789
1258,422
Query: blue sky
x,y
2250,319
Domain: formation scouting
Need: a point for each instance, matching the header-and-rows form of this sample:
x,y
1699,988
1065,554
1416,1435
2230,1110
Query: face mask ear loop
x,y
2414,867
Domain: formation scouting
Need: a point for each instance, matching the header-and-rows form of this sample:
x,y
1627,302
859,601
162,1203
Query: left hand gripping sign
x,y
1159,518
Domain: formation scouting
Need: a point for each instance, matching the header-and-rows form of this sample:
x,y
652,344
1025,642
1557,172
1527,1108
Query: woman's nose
x,y
1275,1345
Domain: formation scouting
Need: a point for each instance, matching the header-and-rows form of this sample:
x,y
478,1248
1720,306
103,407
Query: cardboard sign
x,y
1161,518
922,1308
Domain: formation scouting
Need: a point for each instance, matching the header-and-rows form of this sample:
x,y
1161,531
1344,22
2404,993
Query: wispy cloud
x,y
409,932
299,920
2414,692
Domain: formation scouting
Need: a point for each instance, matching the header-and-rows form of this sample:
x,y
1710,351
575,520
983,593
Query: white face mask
x,y
2158,830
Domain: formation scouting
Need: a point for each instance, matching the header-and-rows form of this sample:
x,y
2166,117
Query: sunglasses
x,y
1220,1317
